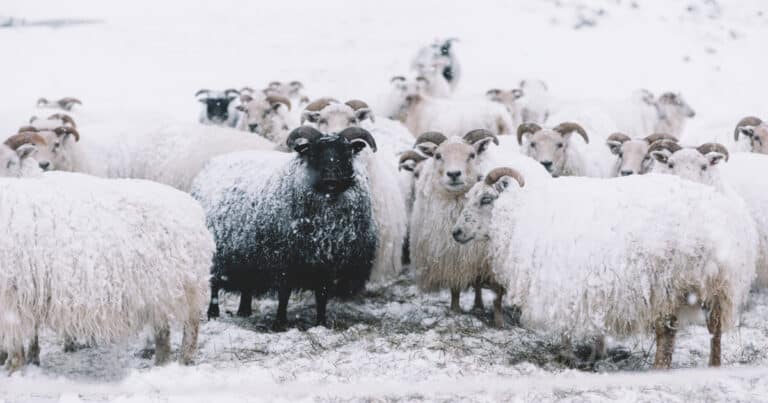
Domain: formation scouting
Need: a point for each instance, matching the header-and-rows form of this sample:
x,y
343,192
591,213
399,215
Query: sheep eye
x,y
559,145
323,121
486,200
621,154
438,156
533,145
671,165
703,167
472,155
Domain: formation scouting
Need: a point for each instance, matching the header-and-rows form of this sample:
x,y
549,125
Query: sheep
x,y
48,143
218,107
169,154
66,103
390,214
676,238
755,131
110,258
672,112
438,56
52,122
268,116
553,148
291,90
509,100
18,161
455,164
291,221
535,101
422,113
632,155
705,164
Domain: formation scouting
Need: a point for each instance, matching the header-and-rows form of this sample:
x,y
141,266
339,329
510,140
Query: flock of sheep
x,y
544,202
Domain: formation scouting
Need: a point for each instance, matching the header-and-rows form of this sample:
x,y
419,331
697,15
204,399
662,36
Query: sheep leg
x,y
33,356
455,294
321,302
15,360
714,325
189,340
498,312
566,354
478,305
244,310
3,356
665,342
162,344
598,352
213,307
283,294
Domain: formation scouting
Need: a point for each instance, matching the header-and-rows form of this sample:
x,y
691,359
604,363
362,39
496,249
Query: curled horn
x,y
479,134
296,84
319,104
278,99
356,104
274,84
200,92
747,121
660,136
354,133
20,139
498,173
707,148
422,79
618,138
230,91
431,137
23,129
62,130
42,101
246,89
64,118
568,127
667,145
307,133
396,78
494,94
70,100
526,128
412,156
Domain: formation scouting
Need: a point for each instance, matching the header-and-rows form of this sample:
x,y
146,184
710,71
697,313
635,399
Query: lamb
x,y
110,258
756,133
455,164
268,116
390,214
218,107
66,103
553,148
439,57
422,113
286,222
704,164
680,238
633,157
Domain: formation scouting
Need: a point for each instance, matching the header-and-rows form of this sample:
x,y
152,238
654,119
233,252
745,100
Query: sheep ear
x,y
408,165
614,146
358,145
661,156
747,131
715,158
310,116
25,151
502,184
482,145
364,113
301,147
427,148
203,100
240,108
517,93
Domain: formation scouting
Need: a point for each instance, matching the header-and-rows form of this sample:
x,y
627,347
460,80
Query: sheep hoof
x,y
213,311
245,312
279,326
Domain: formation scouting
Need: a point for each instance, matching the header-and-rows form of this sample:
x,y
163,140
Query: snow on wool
x,y
274,228
592,272
98,259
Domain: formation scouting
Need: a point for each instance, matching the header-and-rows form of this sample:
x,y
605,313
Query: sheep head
x,y
329,116
455,160
549,146
695,164
633,154
12,160
265,115
756,131
217,103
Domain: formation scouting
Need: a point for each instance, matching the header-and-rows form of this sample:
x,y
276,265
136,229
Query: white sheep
x,y
100,260
66,103
218,107
559,153
593,272
732,174
455,165
509,100
292,90
18,160
754,133
438,61
632,155
268,116
535,101
672,113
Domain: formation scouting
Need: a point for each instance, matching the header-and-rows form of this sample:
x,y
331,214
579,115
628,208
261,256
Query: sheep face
x,y
758,138
456,163
11,162
633,157
406,93
217,109
689,163
56,155
329,161
263,117
548,147
475,218
673,106
336,117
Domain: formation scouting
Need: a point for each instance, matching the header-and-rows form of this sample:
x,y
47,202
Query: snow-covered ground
x,y
139,63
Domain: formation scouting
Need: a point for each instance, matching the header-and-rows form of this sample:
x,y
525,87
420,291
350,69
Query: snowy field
x,y
138,63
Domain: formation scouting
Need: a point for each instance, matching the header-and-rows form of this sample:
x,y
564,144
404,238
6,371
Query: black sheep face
x,y
217,109
329,162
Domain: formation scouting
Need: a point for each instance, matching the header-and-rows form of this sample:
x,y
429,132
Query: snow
x,y
138,64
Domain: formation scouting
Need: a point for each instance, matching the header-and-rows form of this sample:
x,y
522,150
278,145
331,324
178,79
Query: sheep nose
x,y
626,173
253,127
457,233
692,114
453,174
45,165
547,164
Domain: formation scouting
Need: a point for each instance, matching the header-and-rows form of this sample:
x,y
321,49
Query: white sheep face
x,y
689,164
456,164
674,106
57,155
12,163
758,138
549,148
633,157
475,219
263,118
